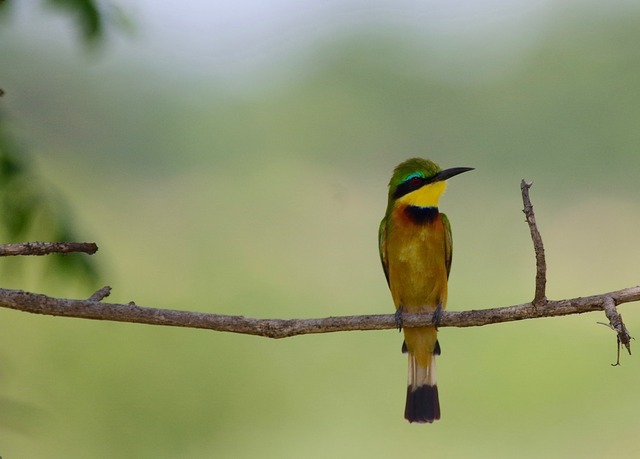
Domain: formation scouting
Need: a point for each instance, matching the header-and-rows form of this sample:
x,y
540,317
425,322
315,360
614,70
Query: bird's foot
x,y
398,317
437,315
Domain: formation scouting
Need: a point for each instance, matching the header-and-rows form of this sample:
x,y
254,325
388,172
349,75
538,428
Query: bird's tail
x,y
422,404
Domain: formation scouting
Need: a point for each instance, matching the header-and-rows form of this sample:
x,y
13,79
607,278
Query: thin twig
x,y
615,321
101,294
540,296
46,248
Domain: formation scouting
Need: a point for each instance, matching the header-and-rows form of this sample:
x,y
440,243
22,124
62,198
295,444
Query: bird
x,y
415,246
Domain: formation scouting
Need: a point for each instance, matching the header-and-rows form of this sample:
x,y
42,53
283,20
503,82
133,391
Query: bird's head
x,y
420,182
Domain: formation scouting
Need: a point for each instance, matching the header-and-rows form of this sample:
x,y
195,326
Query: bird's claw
x,y
437,315
398,318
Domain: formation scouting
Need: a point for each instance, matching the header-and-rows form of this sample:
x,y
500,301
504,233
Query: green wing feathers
x,y
448,243
382,247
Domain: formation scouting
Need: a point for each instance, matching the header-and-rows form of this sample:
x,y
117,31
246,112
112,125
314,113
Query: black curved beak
x,y
448,173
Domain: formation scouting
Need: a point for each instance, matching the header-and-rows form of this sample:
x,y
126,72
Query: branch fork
x,y
540,297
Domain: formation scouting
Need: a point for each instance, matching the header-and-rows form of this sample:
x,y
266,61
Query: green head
x,y
420,182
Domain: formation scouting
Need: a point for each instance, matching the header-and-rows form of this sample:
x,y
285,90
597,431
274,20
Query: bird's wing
x,y
382,246
448,243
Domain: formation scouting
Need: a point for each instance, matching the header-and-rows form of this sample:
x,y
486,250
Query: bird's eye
x,y
415,181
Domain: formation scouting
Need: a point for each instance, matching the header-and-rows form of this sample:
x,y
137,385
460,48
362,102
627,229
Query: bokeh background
x,y
232,157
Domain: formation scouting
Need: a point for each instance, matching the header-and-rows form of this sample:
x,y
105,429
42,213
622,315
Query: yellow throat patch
x,y
427,196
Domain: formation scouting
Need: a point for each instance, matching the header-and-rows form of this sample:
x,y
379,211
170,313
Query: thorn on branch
x,y
101,294
540,297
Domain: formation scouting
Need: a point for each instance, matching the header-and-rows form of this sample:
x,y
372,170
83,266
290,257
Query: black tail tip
x,y
422,405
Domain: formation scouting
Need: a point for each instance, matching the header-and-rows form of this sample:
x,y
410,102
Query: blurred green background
x,y
233,158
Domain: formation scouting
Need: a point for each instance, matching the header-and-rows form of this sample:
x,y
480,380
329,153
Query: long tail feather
x,y
423,405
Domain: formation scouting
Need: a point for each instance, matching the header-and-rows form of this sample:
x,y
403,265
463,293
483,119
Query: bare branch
x,y
540,296
46,248
94,308
282,328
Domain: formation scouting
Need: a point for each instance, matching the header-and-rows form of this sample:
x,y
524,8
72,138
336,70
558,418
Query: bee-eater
x,y
415,249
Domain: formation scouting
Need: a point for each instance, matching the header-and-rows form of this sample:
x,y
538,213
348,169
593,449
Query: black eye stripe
x,y
410,185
